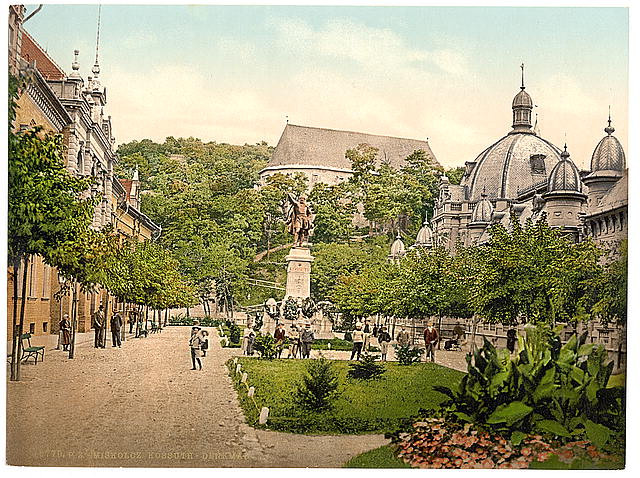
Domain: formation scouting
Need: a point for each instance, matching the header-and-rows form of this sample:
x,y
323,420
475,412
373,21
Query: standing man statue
x,y
98,325
298,220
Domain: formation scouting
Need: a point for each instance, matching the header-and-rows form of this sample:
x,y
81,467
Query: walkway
x,y
141,405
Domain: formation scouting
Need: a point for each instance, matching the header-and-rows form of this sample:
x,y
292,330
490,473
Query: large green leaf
x,y
598,434
554,427
510,413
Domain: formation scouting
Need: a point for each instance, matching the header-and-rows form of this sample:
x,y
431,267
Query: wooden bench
x,y
31,351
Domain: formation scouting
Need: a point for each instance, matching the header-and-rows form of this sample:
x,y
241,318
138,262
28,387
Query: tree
x,y
608,291
532,273
333,212
48,207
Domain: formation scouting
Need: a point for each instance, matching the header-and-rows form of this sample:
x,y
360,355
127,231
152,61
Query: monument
x,y
299,224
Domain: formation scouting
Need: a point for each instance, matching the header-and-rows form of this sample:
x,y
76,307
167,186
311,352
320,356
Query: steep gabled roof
x,y
31,51
326,147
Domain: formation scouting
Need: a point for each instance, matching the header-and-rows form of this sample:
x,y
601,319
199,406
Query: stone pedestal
x,y
299,272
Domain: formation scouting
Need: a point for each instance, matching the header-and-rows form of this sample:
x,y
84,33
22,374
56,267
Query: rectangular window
x,y
536,161
45,326
32,328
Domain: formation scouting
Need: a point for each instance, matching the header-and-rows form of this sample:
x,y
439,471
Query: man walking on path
x,y
116,325
98,325
195,343
280,335
431,338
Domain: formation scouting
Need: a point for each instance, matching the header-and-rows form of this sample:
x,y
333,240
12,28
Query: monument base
x,y
299,272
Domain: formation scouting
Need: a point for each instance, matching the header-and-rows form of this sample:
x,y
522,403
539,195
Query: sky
x,y
235,73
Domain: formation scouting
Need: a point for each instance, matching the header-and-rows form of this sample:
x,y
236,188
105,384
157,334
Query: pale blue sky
x,y
231,74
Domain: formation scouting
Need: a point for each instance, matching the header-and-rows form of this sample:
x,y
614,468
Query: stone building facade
x,y
67,105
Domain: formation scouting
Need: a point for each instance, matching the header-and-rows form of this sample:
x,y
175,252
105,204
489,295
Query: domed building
x,y
526,175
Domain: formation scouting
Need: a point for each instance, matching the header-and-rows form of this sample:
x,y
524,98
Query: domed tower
x,y
425,235
397,249
480,218
564,199
607,166
522,107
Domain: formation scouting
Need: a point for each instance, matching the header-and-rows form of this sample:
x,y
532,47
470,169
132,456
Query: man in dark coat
x,y
98,325
116,326
431,338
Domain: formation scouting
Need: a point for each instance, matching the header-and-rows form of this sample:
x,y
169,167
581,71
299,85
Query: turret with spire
x,y
522,106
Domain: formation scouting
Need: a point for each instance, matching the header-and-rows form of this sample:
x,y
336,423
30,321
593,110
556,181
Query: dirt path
x,y
141,405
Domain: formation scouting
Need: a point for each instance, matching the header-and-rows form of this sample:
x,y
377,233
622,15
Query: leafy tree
x,y
47,207
609,290
533,273
333,212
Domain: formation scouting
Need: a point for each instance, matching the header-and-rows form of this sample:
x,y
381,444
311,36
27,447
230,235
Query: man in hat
x,y
98,325
307,339
384,339
116,325
431,338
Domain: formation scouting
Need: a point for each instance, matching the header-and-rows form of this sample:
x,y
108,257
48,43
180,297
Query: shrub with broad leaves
x,y
408,354
548,389
266,346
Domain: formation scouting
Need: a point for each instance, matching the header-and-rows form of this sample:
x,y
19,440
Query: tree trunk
x,y
22,307
187,312
146,319
74,319
474,327
14,328
106,319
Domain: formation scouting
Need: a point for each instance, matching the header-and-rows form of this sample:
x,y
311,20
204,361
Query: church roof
x,y
483,211
31,51
608,155
305,145
512,164
565,175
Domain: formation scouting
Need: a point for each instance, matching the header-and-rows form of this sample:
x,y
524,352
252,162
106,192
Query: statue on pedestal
x,y
299,221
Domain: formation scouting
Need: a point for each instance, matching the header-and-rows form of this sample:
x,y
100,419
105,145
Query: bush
x,y
319,386
549,389
234,333
408,354
266,346
366,368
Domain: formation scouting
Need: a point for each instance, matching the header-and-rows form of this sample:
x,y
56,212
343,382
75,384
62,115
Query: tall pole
x,y
74,319
16,338
22,306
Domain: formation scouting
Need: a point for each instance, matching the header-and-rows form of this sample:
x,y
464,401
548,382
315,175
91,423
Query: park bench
x,y
31,351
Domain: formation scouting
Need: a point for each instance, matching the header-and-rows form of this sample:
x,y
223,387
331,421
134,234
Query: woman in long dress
x,y
65,332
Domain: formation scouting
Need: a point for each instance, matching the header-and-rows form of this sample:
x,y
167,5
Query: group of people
x,y
300,338
99,326
198,344
361,337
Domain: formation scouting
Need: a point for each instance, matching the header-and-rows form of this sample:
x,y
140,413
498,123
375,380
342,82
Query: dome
x,y
522,99
565,175
425,236
608,155
397,248
483,211
515,163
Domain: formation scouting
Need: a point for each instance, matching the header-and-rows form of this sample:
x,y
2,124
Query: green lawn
x,y
363,406
383,457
